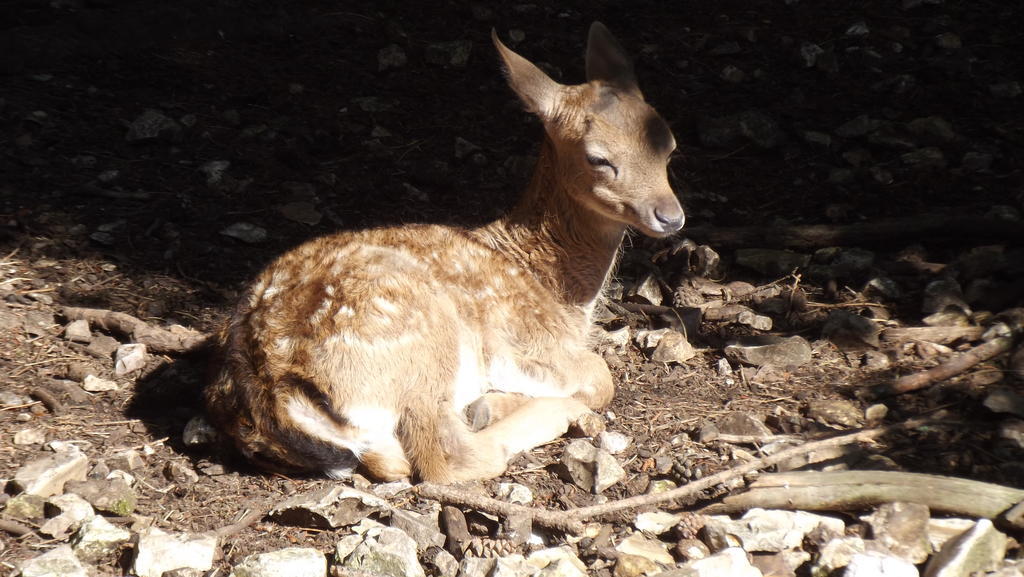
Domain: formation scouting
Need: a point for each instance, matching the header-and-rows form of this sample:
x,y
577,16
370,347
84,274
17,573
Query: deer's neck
x,y
567,246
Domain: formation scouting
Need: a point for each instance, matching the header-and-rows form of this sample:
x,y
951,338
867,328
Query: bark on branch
x,y
948,369
156,339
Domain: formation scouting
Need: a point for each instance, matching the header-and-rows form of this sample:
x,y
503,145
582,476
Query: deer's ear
x,y
606,60
537,90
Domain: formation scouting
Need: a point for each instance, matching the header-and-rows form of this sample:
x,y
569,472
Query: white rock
x,y
656,522
613,441
293,561
637,544
942,530
97,538
30,437
129,358
513,566
766,530
78,331
46,476
157,552
617,339
58,562
557,562
387,551
592,469
977,550
73,511
515,493
476,566
328,507
876,565
835,554
731,562
95,384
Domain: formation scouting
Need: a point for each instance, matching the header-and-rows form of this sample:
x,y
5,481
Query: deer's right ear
x,y
537,90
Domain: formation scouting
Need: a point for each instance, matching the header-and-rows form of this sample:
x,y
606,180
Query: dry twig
x,y
948,369
156,339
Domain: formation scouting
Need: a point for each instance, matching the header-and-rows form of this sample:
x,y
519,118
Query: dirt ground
x,y
287,116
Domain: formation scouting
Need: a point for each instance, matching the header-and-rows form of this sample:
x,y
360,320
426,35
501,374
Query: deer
x,y
438,353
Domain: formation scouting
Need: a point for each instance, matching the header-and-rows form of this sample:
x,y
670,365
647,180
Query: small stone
x,y
879,565
246,232
152,125
810,53
157,552
656,522
647,289
25,507
742,424
903,529
731,562
454,54
884,286
515,493
835,554
766,530
72,511
471,566
95,384
637,544
875,414
290,562
673,348
98,539
858,29
127,459
181,473
198,432
38,323
977,550
754,321
1005,400
130,358
859,126
782,564
30,437
214,171
423,529
78,331
835,412
1006,89
635,566
820,139
102,346
948,41
114,496
976,161
732,74
440,562
692,549
391,56
770,350
328,507
47,475
771,262
386,551
617,339
557,562
301,212
941,530
613,442
934,129
587,425
928,157
57,562
590,468
727,48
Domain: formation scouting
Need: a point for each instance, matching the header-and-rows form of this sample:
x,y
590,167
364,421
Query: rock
x,y
752,125
57,562
942,294
102,346
673,348
731,562
754,321
110,496
884,286
328,507
932,129
903,529
732,74
38,323
293,561
618,339
476,566
423,529
31,436
771,262
47,475
977,550
198,432
635,566
764,350
557,562
976,161
72,511
858,29
129,358
928,157
214,171
440,562
78,331
386,551
837,553
455,54
879,565
25,507
727,48
157,552
127,459
850,331
647,290
1005,400
245,232
821,139
941,530
95,384
9,321
391,56
152,125
587,425
590,468
766,530
738,423
515,493
859,126
835,412
653,550
301,212
97,539
514,565
656,522
692,549
180,472
1012,430
782,564
1006,89
12,399
613,442
875,414
810,53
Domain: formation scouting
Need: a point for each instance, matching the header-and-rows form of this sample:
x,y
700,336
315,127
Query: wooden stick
x,y
460,495
14,528
941,335
47,398
156,339
944,229
858,490
235,528
948,369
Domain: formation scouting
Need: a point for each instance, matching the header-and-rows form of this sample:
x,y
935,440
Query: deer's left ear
x,y
606,60
537,90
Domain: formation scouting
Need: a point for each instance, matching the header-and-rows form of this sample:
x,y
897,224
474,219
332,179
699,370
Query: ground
x,y
300,119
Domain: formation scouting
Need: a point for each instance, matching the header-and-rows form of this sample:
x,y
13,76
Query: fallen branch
x,y
941,335
156,339
948,369
858,490
47,399
242,524
571,521
14,528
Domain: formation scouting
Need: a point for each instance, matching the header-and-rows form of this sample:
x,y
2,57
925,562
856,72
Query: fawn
x,y
439,351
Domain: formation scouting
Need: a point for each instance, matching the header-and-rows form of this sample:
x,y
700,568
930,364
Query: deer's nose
x,y
671,217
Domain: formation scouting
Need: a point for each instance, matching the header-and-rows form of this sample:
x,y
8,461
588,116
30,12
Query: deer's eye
x,y
599,162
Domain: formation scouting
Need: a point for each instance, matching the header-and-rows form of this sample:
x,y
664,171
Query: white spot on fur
x,y
504,375
330,290
316,424
282,344
469,379
318,316
345,311
385,305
